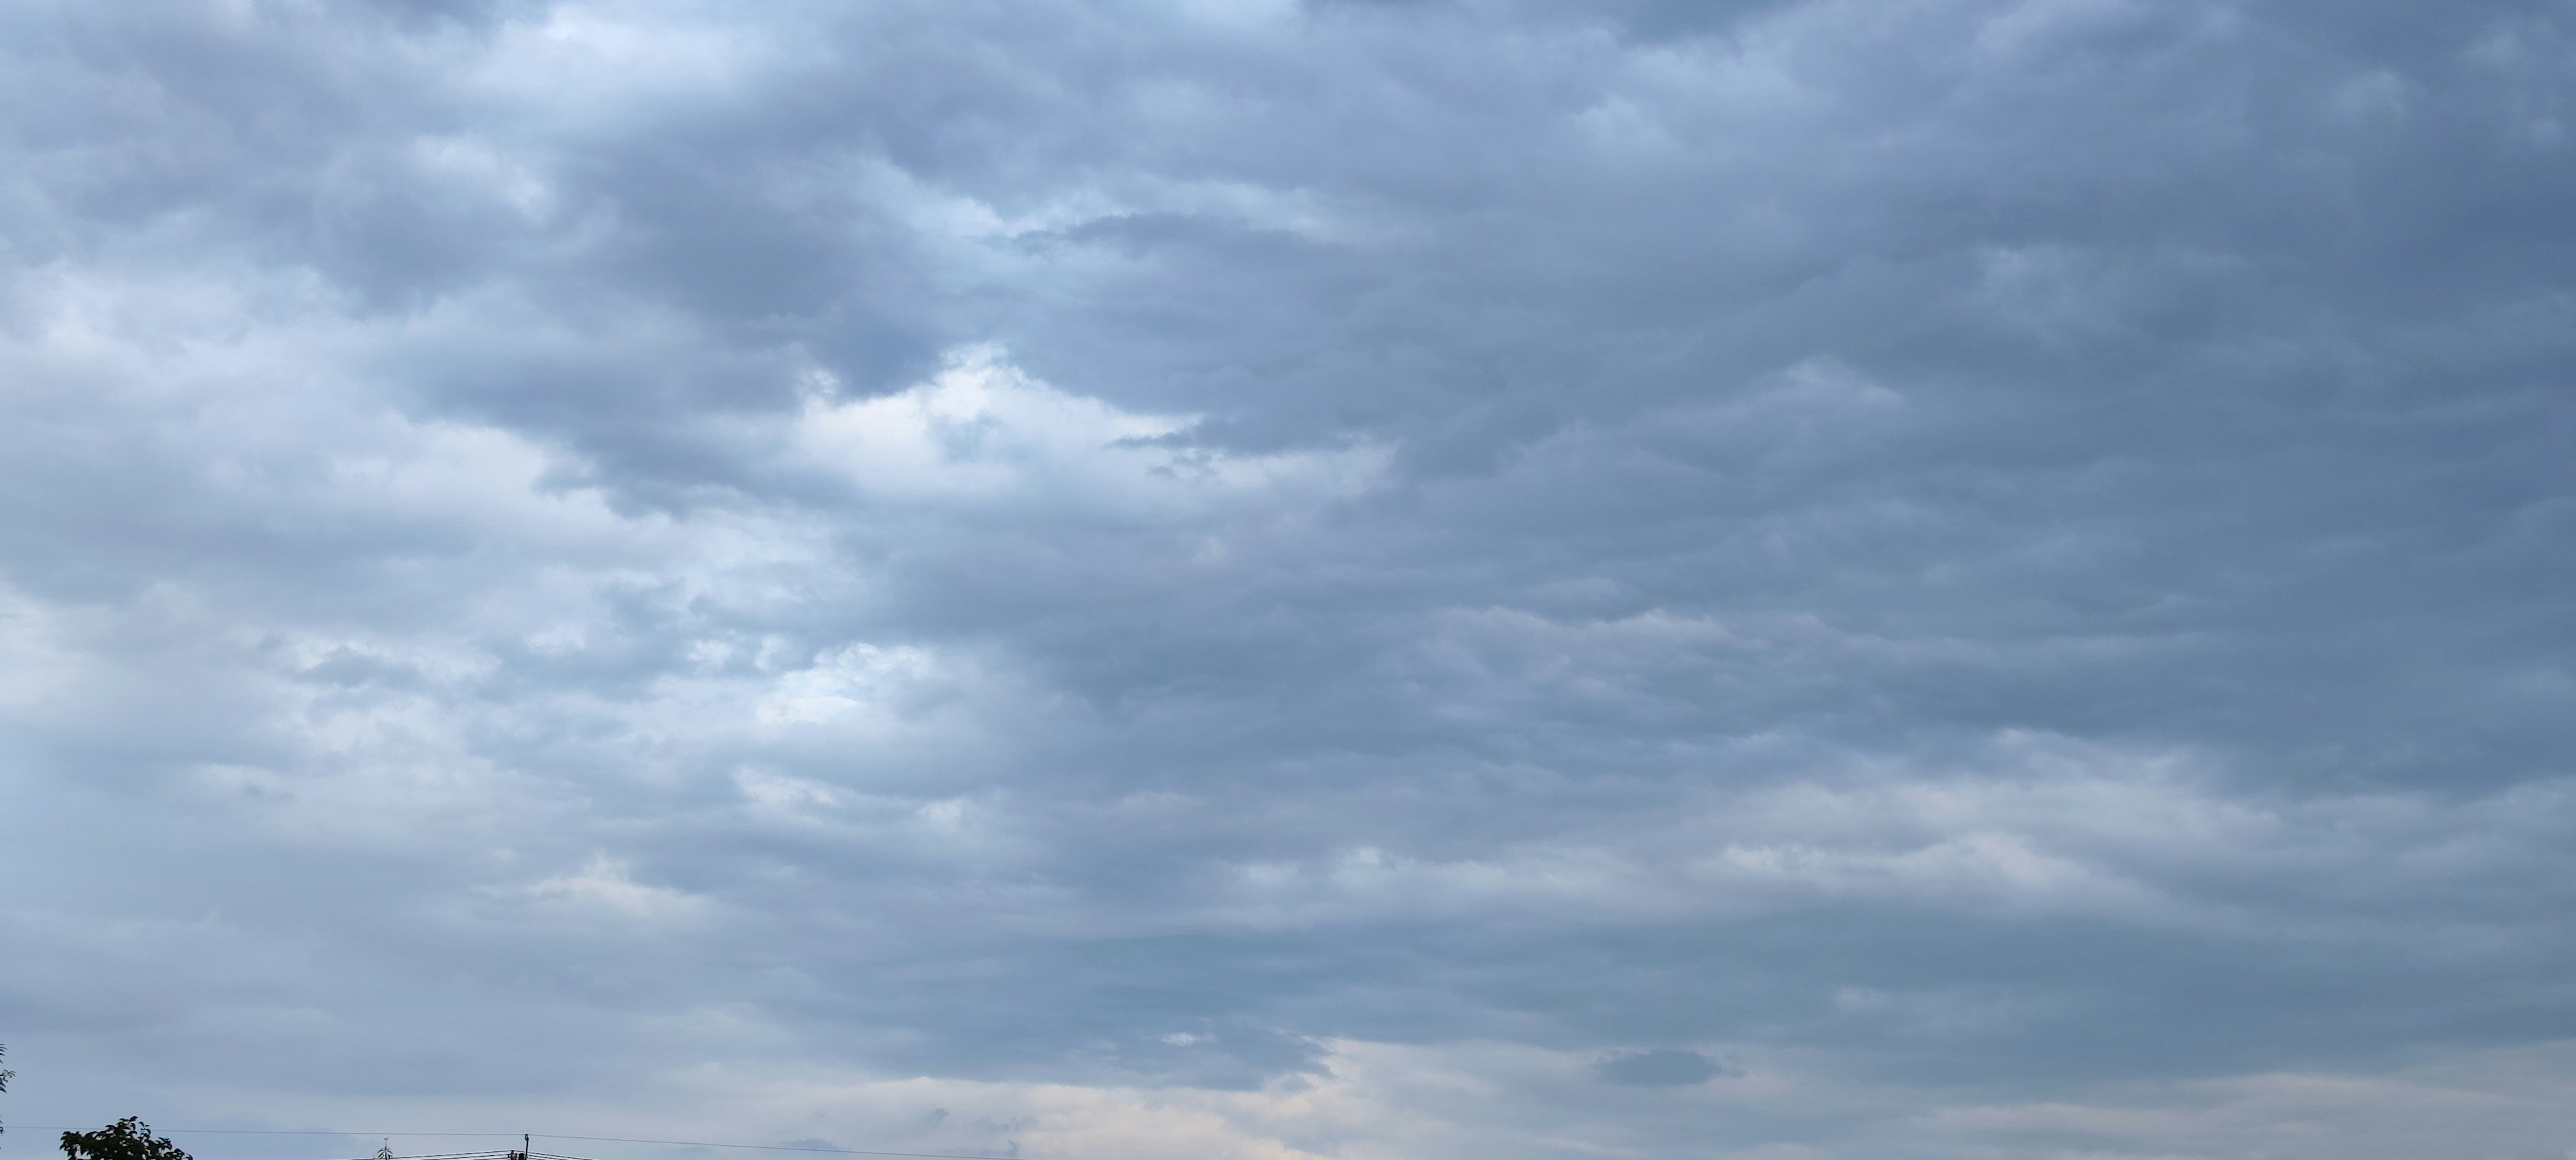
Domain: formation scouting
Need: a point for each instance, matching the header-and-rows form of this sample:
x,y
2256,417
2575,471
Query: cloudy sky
x,y
1273,580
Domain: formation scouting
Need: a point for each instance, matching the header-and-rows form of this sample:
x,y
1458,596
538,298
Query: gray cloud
x,y
1191,578
1661,1067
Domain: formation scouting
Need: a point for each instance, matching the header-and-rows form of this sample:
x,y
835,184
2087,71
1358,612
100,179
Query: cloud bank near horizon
x,y
1438,579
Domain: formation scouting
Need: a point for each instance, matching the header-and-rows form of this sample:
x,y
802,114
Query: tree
x,y
5,1073
126,1139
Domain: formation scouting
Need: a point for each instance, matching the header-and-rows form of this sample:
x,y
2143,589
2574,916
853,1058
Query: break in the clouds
x,y
1802,579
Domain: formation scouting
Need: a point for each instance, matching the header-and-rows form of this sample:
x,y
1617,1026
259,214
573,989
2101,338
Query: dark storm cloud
x,y
1988,565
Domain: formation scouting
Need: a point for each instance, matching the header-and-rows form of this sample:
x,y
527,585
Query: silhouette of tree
x,y
126,1139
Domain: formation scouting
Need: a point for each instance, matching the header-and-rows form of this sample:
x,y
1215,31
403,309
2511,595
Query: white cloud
x,y
605,886
983,433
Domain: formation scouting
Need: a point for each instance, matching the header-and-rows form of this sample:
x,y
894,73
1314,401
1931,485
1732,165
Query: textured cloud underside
x,y
1789,579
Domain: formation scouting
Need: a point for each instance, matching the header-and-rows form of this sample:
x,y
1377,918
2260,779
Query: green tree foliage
x,y
126,1139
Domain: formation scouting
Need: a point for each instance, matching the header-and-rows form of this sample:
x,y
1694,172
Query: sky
x,y
1271,580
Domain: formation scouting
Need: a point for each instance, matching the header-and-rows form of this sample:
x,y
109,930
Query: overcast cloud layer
x,y
1237,579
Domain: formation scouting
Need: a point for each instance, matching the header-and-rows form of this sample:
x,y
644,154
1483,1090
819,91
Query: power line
x,y
761,1147
274,1132
534,1156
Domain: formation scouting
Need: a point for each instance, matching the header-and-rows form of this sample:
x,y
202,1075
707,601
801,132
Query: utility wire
x,y
761,1147
533,1156
275,1132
